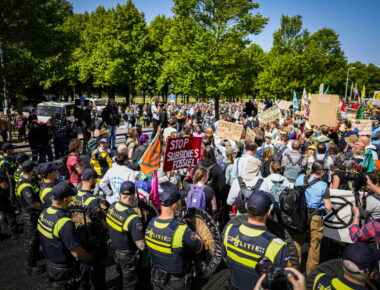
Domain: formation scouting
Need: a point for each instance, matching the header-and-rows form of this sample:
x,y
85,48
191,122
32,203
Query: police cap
x,y
89,173
259,202
127,188
21,157
28,166
364,256
62,190
171,195
46,168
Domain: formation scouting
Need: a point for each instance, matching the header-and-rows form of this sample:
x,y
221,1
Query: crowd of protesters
x,y
287,153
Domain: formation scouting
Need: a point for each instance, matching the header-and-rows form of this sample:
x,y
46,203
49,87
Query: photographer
x,y
295,278
339,177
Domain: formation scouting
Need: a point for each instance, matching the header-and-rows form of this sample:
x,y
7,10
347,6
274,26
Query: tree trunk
x,y
127,95
216,108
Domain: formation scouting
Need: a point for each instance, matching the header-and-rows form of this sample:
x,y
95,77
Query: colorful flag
x,y
321,89
370,105
342,106
363,92
327,90
355,106
295,102
150,161
360,112
355,91
305,99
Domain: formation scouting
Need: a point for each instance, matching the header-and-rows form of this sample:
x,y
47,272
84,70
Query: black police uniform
x,y
46,194
322,281
94,271
86,198
170,243
125,227
245,245
6,205
27,193
57,235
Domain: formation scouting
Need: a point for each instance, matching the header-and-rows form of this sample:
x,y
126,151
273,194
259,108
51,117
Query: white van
x,y
47,110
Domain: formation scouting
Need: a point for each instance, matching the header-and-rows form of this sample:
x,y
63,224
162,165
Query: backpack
x,y
196,197
64,171
277,156
293,207
292,170
276,190
244,193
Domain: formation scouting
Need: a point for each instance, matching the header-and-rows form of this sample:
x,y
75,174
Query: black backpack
x,y
277,156
64,171
244,193
210,178
293,207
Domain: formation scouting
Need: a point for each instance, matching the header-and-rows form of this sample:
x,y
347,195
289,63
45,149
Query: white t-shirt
x,y
235,188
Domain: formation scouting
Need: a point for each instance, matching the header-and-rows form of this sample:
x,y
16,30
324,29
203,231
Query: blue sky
x,y
357,22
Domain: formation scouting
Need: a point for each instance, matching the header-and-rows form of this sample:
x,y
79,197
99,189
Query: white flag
x,y
321,89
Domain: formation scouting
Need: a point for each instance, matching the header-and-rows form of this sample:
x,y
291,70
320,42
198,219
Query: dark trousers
x,y
21,134
60,144
30,239
86,137
60,276
93,273
173,283
156,123
45,151
9,213
129,265
4,135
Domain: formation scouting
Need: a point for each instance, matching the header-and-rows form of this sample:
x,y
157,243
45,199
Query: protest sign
x,y
270,115
337,222
228,130
261,106
182,152
250,135
376,98
364,126
284,105
351,113
324,110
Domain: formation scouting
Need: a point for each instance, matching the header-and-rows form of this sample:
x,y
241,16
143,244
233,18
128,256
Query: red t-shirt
x,y
72,161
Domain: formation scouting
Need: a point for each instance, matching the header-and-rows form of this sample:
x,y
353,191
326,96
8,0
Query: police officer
x,y
20,159
170,243
49,176
8,158
127,235
58,239
249,243
27,195
359,263
94,271
85,195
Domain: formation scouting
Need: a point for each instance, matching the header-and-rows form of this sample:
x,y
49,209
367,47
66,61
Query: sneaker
x,y
36,270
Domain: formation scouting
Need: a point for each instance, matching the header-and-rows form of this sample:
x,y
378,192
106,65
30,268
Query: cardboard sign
x,y
250,135
336,223
261,106
270,115
182,152
364,126
230,131
324,110
351,113
284,105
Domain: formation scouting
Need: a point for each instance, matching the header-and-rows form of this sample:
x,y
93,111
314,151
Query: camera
x,y
358,179
276,277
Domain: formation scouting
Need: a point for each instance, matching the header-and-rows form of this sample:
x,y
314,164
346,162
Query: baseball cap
x,y
6,147
62,190
364,256
21,157
171,195
28,165
230,151
259,202
89,173
46,168
127,188
103,140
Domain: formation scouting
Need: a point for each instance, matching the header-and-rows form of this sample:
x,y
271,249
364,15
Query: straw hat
x,y
351,140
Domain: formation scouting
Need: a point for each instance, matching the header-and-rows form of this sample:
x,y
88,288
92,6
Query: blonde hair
x,y
268,154
199,174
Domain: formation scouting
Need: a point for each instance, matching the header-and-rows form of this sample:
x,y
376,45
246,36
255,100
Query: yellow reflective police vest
x,y
324,282
164,242
17,175
45,194
84,198
20,186
245,247
118,217
50,223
